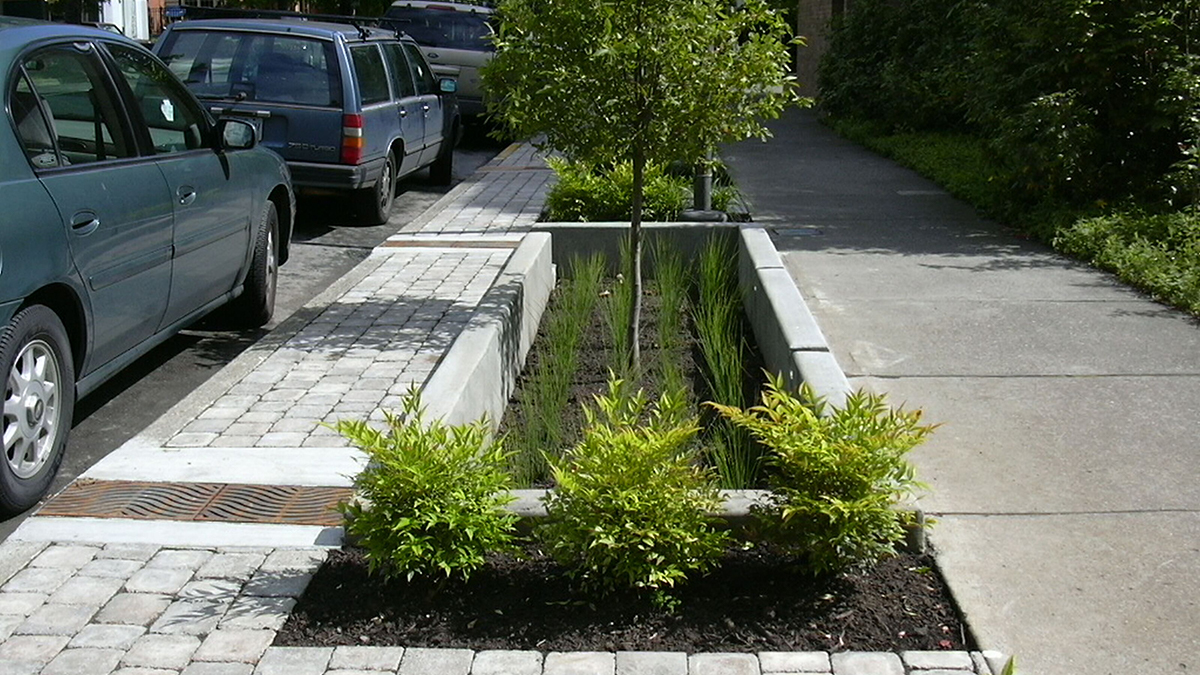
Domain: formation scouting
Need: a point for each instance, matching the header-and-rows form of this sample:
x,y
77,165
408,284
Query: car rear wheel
x,y
256,304
39,400
377,201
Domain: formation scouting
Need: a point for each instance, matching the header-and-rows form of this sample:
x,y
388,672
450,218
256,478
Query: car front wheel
x,y
39,400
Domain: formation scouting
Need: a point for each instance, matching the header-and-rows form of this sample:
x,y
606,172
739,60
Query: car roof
x,y
295,26
449,6
16,32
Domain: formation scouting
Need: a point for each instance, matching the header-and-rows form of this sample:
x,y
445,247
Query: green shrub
x,y
1159,253
1080,100
585,193
432,495
838,473
631,508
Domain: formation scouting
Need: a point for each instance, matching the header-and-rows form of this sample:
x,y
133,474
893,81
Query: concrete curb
x,y
789,339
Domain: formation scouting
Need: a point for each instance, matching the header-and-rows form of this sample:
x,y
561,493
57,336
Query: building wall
x,y
812,22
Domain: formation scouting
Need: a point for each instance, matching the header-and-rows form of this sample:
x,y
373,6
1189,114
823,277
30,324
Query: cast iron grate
x,y
207,502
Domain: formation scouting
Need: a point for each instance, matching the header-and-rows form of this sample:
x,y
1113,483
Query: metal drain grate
x,y
208,502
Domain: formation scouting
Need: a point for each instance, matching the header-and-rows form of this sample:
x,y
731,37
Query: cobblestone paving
x,y
357,358
506,195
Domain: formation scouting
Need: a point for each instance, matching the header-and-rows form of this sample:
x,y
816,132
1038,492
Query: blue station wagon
x,y
128,213
350,108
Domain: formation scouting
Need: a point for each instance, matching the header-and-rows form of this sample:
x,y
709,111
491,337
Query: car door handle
x,y
85,222
425,108
404,112
186,195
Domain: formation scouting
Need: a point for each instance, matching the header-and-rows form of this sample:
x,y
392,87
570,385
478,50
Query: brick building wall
x,y
812,22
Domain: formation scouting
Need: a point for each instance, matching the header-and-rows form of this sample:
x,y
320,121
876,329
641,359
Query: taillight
x,y
352,139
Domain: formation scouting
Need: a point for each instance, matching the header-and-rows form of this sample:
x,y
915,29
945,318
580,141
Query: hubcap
x,y
31,409
272,265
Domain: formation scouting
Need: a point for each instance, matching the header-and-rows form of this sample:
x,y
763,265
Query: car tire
x,y
254,307
441,172
376,202
39,401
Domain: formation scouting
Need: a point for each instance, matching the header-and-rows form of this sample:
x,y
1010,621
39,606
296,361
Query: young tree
x,y
608,81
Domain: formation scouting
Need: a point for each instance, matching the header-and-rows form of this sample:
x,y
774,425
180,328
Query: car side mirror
x,y
236,134
448,85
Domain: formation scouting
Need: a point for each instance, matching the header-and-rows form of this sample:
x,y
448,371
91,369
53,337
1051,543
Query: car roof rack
x,y
360,23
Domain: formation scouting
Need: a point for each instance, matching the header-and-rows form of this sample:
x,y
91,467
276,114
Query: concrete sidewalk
x,y
1066,477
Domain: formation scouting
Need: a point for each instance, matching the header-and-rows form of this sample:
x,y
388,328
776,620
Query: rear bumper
x,y
336,176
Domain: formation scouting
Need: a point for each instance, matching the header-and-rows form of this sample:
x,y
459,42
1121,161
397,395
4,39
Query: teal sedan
x,y
126,213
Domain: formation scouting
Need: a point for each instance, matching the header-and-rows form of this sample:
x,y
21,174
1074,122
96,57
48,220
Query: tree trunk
x,y
635,261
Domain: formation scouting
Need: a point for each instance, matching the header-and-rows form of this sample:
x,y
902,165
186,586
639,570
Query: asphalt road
x,y
326,244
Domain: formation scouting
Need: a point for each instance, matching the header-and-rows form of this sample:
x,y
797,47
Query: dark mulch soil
x,y
754,601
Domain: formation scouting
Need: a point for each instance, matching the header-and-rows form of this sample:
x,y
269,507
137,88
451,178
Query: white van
x,y
456,40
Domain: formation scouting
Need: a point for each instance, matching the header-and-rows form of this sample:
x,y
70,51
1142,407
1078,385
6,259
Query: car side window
x,y
33,126
176,123
372,78
69,84
420,71
398,66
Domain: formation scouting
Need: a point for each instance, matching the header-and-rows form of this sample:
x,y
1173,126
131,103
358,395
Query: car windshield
x,y
446,29
255,66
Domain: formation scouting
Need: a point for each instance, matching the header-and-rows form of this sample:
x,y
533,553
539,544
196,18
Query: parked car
x,y
349,108
128,214
455,37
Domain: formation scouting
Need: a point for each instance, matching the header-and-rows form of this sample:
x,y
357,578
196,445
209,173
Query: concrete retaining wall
x,y
480,370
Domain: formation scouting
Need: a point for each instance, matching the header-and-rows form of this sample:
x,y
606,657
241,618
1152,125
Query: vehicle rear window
x,y
447,29
257,67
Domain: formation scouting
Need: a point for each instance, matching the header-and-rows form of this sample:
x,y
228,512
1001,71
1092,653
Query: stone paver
x,y
937,660
21,604
161,651
366,658
651,663
218,668
867,663
167,581
81,590
508,662
723,664
244,646
419,661
84,661
107,636
138,609
294,661
794,662
580,663
56,620
40,649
